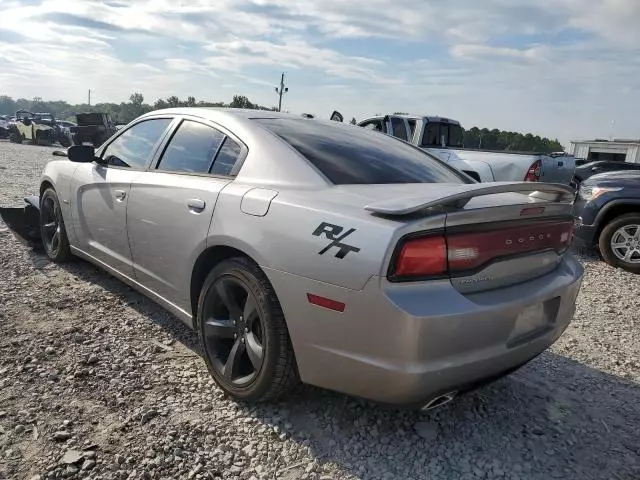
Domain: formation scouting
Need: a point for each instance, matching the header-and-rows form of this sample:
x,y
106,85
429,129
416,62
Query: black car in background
x,y
607,211
587,170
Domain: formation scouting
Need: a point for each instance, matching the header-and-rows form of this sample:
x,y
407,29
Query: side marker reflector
x,y
325,302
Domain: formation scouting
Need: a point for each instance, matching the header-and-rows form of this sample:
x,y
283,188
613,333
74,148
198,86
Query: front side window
x,y
346,155
135,146
192,148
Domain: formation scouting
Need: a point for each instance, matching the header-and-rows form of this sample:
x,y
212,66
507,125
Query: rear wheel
x,y
243,333
54,235
619,242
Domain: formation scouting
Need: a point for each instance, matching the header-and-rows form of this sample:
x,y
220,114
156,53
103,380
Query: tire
x,y
277,374
15,137
64,141
611,233
52,229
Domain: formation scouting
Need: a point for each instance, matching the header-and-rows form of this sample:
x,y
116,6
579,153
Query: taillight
x,y
533,174
422,257
458,253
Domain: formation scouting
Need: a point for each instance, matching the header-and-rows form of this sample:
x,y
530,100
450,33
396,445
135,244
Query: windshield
x,y
348,155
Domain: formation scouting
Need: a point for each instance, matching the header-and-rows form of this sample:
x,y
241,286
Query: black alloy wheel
x,y
234,332
243,333
54,236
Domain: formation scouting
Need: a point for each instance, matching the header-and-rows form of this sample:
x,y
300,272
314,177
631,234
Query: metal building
x,y
619,150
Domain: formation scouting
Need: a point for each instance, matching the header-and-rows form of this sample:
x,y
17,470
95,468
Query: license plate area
x,y
534,321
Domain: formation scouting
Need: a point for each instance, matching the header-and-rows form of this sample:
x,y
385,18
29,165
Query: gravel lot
x,y
98,382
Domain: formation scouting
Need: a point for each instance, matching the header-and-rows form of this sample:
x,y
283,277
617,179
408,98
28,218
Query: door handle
x,y
196,205
120,195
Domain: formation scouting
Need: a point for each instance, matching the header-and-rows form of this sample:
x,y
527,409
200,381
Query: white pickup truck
x,y
443,137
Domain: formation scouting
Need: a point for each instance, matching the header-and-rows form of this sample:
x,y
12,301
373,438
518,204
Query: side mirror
x,y
81,153
59,153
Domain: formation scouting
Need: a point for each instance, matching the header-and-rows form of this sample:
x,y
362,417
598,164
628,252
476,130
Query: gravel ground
x,y
98,382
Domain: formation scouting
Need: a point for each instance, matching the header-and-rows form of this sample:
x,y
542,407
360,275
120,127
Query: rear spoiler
x,y
550,192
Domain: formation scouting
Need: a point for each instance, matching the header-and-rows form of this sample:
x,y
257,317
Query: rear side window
x,y
192,148
135,146
399,129
348,155
226,158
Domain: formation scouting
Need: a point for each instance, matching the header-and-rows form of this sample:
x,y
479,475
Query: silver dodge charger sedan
x,y
307,250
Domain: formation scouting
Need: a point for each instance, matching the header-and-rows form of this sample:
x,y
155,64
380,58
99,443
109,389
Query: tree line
x,y
495,139
124,112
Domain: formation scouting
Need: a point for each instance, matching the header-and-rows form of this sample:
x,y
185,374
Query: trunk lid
x,y
494,235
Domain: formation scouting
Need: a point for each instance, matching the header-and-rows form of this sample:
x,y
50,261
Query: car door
x,y
171,206
101,191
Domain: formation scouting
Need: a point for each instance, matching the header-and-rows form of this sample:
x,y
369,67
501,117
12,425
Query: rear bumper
x,y
408,344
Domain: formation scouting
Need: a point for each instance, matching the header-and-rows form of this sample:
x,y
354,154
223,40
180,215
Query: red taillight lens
x,y
422,257
463,252
470,250
533,174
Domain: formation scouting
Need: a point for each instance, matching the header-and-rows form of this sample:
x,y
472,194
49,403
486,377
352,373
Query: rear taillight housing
x,y
422,256
533,174
465,252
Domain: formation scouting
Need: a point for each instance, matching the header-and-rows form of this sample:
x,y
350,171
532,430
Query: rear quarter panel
x,y
304,235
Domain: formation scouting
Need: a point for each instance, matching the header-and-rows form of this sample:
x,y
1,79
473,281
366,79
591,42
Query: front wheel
x,y
15,137
619,242
243,333
54,235
65,141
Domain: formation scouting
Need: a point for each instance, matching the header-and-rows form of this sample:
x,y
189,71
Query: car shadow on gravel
x,y
554,418
141,304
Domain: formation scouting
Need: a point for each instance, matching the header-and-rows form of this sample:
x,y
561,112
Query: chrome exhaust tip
x,y
439,401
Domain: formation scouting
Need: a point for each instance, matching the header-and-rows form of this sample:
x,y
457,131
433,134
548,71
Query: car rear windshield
x,y
353,155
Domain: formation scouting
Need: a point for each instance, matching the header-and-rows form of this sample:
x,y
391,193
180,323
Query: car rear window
x,y
353,155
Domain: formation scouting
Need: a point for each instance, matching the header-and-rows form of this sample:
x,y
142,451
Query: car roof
x,y
270,160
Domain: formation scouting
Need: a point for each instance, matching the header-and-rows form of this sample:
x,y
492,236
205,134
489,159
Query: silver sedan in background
x,y
307,250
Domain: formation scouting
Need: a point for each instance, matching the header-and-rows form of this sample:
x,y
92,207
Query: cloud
x,y
480,52
294,53
556,67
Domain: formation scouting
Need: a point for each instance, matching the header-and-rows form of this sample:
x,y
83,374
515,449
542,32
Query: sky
x,y
559,68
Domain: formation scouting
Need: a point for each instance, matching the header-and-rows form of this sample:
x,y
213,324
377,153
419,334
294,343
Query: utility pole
x,y
280,91
89,97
